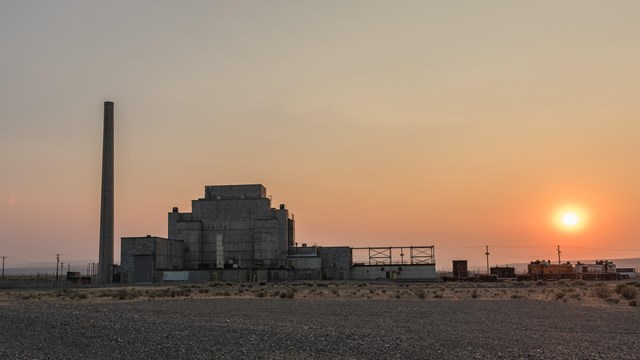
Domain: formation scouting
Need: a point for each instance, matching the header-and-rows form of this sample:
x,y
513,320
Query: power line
x,y
584,248
461,247
57,266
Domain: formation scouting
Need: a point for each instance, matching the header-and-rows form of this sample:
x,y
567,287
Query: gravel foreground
x,y
241,328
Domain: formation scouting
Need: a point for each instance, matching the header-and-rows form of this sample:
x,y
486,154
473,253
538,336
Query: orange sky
x,y
458,124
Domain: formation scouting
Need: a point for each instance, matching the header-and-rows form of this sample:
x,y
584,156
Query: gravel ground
x,y
316,329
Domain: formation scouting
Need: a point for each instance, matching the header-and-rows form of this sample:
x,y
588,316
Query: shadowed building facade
x,y
233,234
233,226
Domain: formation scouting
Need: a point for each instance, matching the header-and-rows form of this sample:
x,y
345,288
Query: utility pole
x,y
487,253
4,257
559,252
57,266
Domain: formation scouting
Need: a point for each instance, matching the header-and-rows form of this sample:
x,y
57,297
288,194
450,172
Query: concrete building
x,y
233,234
144,257
233,226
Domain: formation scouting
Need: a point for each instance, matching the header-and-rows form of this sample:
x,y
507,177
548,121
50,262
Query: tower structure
x,y
105,257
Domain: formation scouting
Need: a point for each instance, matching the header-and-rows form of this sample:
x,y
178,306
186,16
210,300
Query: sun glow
x,y
570,218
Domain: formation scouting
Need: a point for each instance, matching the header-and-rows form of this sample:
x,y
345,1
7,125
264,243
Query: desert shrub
x,y
287,294
541,283
420,293
126,294
633,303
601,291
227,293
579,283
517,296
260,294
437,296
612,300
203,291
83,295
575,296
629,292
474,294
335,292
262,283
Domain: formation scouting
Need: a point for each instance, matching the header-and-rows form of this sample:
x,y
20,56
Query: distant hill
x,y
46,268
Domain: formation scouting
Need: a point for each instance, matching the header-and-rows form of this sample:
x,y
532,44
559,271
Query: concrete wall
x,y
266,245
129,247
190,232
167,254
336,262
305,262
241,275
366,272
235,191
394,272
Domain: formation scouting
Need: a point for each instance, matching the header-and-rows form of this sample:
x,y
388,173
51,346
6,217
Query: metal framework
x,y
389,255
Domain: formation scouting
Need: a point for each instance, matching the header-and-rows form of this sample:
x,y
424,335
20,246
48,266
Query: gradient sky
x,y
457,124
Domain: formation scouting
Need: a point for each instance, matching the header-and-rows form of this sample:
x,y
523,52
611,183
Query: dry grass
x,y
571,292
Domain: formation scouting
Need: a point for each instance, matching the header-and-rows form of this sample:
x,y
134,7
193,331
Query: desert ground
x,y
325,320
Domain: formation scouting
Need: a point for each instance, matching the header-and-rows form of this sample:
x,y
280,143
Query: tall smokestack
x,y
105,257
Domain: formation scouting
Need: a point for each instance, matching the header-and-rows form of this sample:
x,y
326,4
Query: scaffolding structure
x,y
394,255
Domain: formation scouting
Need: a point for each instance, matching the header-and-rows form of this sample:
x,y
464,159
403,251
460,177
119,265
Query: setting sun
x,y
570,218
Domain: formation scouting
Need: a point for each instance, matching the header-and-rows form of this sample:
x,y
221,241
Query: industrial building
x,y
233,234
233,226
